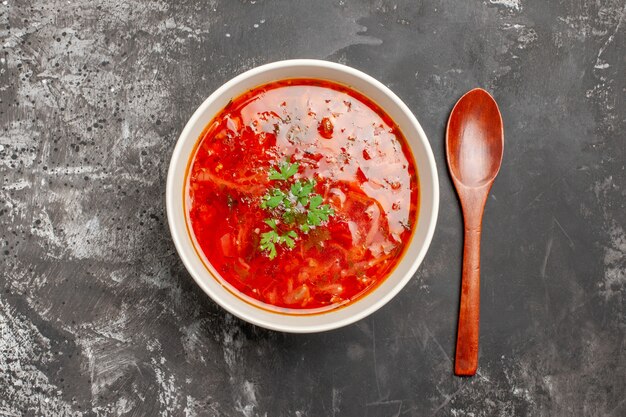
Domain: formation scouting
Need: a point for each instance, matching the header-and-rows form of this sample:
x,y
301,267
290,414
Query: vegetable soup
x,y
302,194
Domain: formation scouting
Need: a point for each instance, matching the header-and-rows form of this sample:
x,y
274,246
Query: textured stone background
x,y
99,317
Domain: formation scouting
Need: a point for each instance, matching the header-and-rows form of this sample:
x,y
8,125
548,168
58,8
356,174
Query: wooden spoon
x,y
474,146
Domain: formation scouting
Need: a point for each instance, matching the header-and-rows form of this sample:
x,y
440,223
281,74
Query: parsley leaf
x,y
267,243
324,212
317,213
305,228
315,201
274,199
270,239
302,190
288,239
287,170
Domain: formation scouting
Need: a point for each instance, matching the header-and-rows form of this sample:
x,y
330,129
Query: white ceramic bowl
x,y
208,278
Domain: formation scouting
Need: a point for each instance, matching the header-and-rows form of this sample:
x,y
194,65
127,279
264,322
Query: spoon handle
x,y
466,360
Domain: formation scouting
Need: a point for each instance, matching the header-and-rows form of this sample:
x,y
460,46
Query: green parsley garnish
x,y
295,203
286,170
270,239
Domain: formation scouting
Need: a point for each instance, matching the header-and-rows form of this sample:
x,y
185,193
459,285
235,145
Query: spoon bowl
x,y
475,139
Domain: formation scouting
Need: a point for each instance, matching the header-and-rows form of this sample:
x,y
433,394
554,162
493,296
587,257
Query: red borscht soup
x,y
302,194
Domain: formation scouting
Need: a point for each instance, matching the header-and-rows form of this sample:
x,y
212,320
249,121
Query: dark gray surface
x,y
99,317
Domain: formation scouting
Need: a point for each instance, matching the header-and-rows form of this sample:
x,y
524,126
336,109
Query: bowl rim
x,y
172,194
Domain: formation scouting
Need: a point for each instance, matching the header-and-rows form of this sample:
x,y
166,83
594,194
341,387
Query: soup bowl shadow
x,y
295,321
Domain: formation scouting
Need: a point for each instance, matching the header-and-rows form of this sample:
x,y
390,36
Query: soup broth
x,y
302,194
